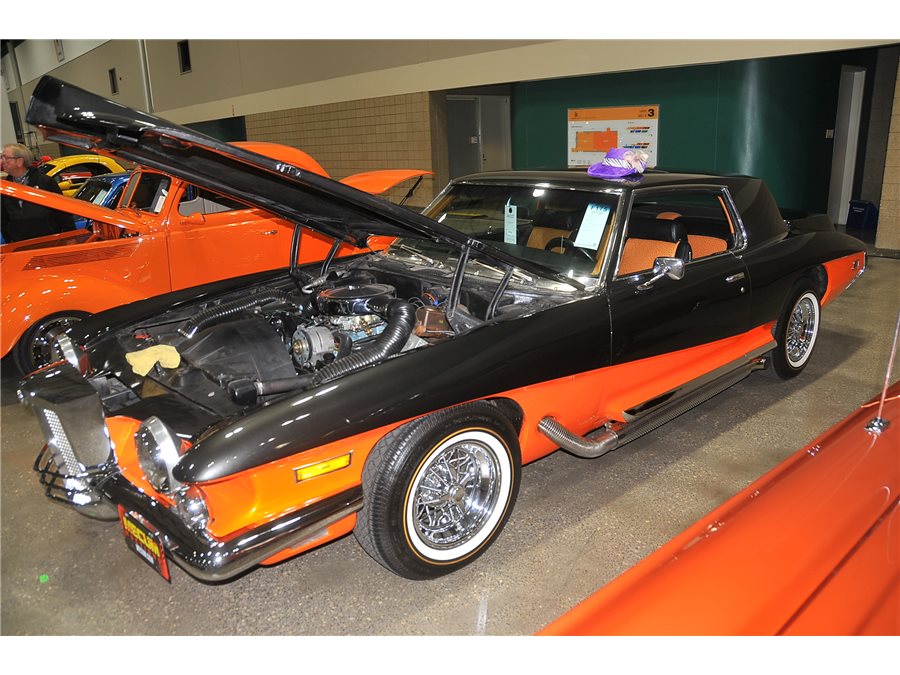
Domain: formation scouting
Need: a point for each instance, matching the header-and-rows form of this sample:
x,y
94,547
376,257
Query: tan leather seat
x,y
650,239
541,236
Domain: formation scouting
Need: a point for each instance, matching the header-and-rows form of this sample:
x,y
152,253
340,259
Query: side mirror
x,y
65,185
196,218
664,267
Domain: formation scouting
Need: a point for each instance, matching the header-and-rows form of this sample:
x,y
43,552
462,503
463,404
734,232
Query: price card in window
x,y
593,225
510,223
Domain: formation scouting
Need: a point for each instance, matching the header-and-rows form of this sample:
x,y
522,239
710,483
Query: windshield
x,y
94,191
563,230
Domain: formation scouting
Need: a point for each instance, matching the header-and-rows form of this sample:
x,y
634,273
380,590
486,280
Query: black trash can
x,y
862,215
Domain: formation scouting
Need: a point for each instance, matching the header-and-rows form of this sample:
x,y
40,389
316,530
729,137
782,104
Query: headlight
x,y
157,451
62,347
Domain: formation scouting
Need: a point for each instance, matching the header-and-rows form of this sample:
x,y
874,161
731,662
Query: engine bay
x,y
247,347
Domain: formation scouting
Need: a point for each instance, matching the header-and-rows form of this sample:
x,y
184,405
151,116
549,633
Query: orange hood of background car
x,y
71,205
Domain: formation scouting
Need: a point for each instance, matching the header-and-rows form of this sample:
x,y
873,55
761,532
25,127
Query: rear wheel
x,y
796,331
438,491
34,349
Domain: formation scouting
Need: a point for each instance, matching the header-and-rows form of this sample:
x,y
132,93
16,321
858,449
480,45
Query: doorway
x,y
846,139
478,134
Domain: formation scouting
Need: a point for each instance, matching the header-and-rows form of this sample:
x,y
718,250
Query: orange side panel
x,y
801,538
339,529
860,582
588,400
841,273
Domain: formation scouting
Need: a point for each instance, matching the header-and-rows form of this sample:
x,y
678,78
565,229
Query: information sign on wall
x,y
593,131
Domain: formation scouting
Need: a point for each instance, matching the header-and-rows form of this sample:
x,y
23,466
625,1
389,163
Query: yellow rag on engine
x,y
142,361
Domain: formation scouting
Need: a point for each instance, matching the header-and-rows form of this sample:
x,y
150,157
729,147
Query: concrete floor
x,y
577,523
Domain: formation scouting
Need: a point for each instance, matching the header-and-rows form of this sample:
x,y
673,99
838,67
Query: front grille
x,y
60,441
78,453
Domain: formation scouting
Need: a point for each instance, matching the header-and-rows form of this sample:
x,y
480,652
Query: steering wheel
x,y
568,246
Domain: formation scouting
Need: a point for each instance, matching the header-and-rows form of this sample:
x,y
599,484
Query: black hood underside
x,y
75,117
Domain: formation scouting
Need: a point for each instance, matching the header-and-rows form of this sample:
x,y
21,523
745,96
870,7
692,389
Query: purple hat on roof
x,y
619,162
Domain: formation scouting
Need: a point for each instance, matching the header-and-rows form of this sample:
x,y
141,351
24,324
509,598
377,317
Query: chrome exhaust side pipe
x,y
593,445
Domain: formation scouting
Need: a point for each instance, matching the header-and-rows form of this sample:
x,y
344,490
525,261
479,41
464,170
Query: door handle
x,y
734,277
269,232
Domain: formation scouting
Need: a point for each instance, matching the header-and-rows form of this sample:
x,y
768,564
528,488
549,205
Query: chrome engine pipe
x,y
591,446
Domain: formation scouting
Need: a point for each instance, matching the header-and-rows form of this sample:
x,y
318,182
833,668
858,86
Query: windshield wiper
x,y
420,256
521,276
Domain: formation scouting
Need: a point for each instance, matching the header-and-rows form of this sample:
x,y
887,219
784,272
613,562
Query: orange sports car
x,y
167,235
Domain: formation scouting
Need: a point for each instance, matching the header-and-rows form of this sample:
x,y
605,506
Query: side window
x,y
197,200
147,192
686,224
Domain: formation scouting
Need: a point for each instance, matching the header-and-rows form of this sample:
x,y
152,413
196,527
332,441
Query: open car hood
x,y
72,116
378,182
373,182
76,207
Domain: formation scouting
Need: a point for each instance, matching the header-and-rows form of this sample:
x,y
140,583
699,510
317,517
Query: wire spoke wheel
x,y
796,331
438,490
801,330
455,494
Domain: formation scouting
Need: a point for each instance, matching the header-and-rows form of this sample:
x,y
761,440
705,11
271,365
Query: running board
x,y
606,438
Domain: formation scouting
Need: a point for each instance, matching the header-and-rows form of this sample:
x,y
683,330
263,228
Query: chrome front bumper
x,y
78,467
208,559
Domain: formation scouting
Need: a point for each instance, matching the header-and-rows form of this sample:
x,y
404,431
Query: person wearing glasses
x,y
23,220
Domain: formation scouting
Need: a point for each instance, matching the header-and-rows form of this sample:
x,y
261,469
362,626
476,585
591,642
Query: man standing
x,y
21,219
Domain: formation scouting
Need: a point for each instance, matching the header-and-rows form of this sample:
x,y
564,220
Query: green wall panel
x,y
763,117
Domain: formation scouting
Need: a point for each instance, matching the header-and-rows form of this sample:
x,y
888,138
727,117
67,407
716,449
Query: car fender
x,y
492,359
55,291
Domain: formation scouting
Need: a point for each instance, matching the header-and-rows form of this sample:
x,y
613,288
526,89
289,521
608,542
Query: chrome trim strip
x,y
614,435
208,559
637,412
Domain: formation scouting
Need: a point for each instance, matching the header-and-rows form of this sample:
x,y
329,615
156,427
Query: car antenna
x,y
878,424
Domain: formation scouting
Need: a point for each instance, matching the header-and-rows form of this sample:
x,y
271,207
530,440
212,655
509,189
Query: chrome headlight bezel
x,y
157,451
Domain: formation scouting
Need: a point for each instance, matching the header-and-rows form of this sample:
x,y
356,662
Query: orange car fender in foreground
x,y
812,547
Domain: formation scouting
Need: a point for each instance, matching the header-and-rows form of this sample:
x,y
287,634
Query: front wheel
x,y
438,491
796,331
34,349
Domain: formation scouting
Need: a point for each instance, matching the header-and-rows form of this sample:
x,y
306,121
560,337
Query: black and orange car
x,y
397,394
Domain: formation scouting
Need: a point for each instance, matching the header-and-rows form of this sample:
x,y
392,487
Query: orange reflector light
x,y
319,468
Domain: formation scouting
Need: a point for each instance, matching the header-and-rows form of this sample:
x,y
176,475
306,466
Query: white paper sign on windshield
x,y
510,223
593,225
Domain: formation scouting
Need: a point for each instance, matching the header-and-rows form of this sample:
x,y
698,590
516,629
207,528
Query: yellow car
x,y
71,171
